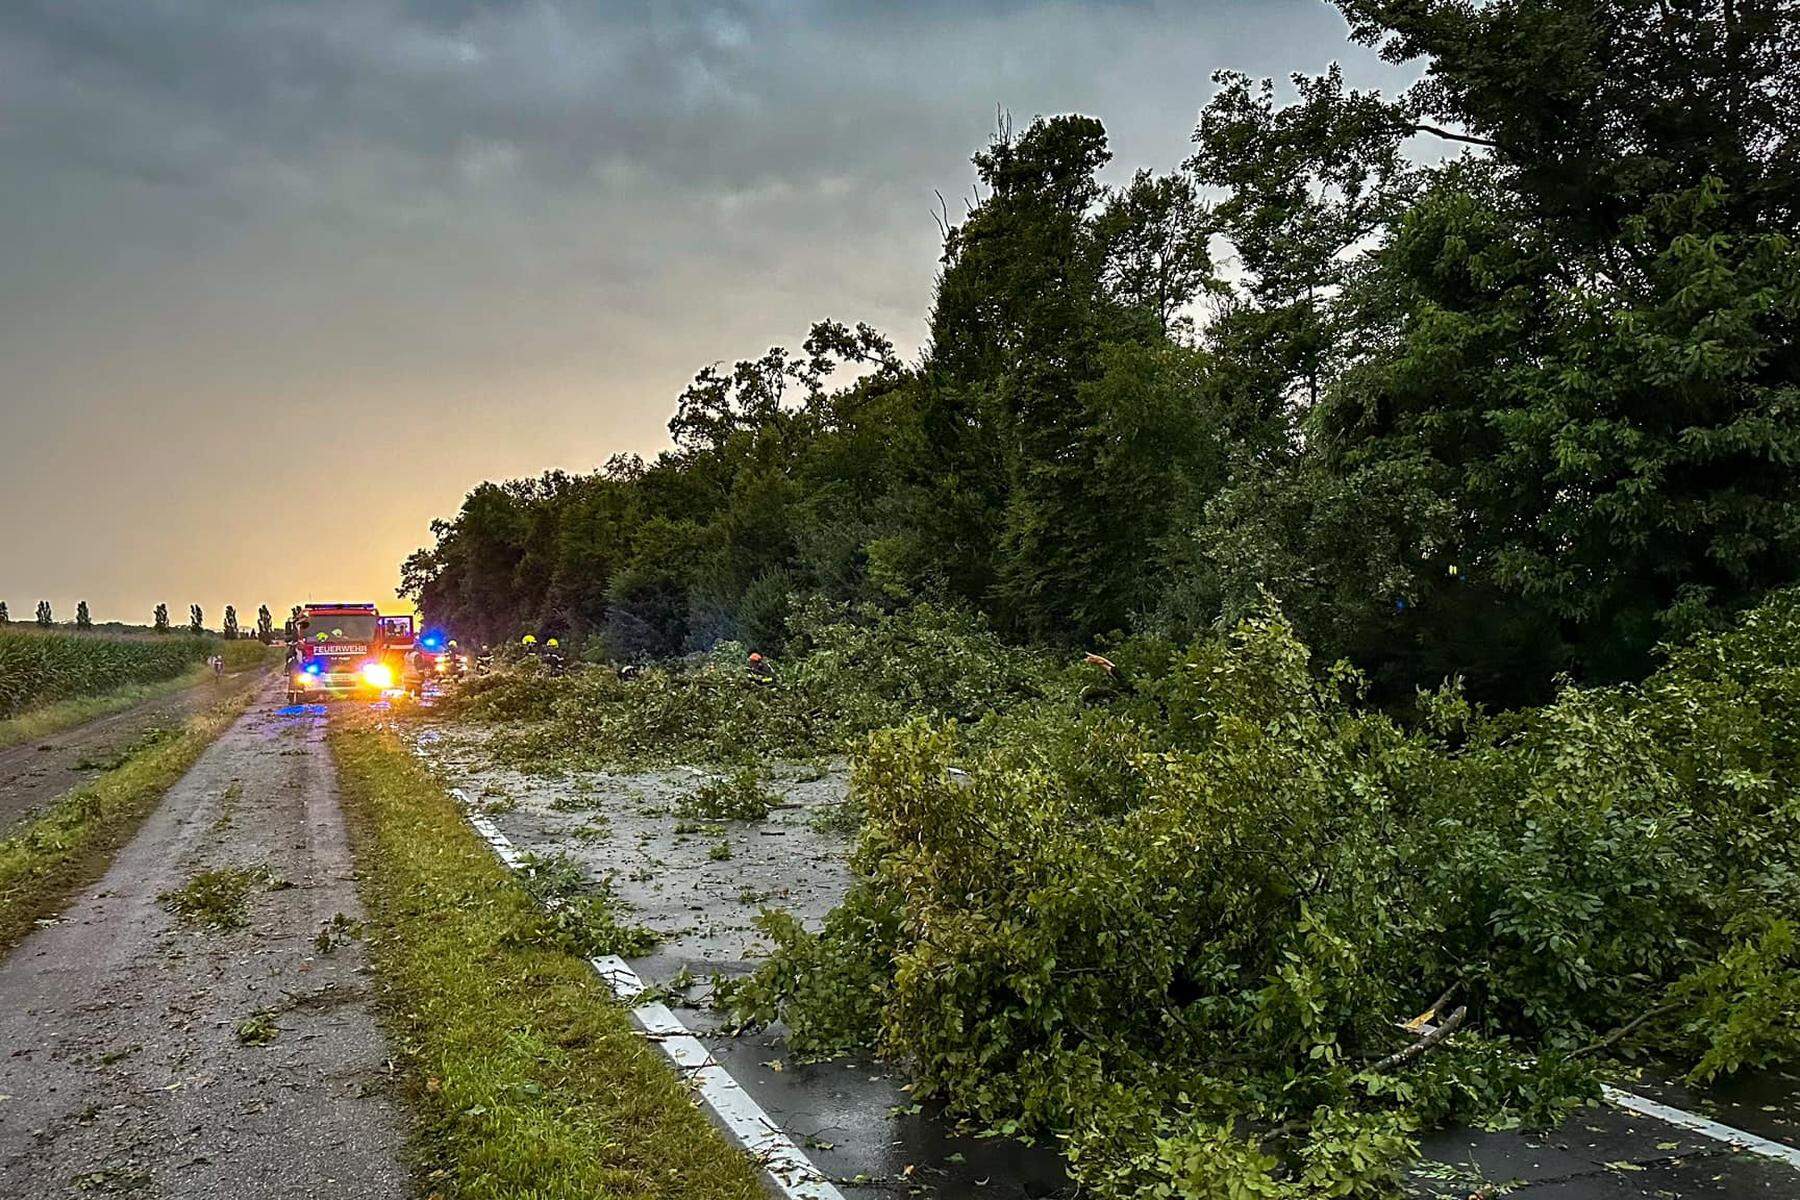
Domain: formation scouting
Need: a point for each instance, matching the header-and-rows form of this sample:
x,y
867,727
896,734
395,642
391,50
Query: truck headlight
x,y
378,675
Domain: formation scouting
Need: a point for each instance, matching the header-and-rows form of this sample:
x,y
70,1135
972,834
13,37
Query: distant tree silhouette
x,y
43,614
162,618
5,617
265,625
82,619
230,628
196,620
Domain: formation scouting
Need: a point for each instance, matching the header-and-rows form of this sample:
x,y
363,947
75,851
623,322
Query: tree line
x,y
230,630
1495,378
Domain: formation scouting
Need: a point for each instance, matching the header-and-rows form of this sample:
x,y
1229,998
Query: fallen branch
x,y
1435,1038
1437,1006
1624,1030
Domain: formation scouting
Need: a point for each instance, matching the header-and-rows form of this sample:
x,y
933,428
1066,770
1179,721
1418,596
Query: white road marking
x,y
742,1116
670,1031
1731,1136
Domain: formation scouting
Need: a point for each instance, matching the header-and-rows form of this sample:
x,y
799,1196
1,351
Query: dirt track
x,y
36,772
125,1072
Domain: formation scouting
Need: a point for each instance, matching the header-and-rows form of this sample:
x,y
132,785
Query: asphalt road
x,y
851,1117
123,1068
36,772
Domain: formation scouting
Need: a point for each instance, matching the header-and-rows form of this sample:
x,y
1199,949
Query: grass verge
x,y
526,1076
72,842
55,717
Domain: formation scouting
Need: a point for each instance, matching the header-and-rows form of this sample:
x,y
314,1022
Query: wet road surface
x,y
124,1070
851,1116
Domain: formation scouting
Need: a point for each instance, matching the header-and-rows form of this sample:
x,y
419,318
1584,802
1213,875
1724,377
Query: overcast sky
x,y
282,281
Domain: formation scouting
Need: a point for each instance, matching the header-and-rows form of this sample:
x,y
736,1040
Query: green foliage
x,y
37,668
830,987
581,915
1212,897
215,899
1494,426
1526,410
854,669
869,669
259,1028
523,691
1744,1010
740,796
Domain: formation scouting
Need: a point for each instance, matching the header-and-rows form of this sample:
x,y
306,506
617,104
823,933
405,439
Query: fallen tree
x,y
1167,924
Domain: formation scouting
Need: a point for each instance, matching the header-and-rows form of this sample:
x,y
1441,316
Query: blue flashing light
x,y
313,668
432,641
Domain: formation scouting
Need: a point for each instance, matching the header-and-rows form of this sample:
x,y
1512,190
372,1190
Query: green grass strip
x,y
71,844
526,1076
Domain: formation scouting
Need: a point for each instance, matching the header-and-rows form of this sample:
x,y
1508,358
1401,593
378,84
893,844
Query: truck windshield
x,y
338,627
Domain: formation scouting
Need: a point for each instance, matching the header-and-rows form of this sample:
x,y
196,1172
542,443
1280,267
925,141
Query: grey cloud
x,y
531,217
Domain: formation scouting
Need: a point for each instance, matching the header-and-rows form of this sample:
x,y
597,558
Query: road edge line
x,y
664,1026
743,1118
1694,1123
1730,1135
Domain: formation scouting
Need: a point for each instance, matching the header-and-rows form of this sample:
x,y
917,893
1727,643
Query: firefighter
x,y
553,658
761,668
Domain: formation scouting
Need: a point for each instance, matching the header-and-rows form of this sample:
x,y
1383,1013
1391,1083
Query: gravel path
x,y
36,772
124,1072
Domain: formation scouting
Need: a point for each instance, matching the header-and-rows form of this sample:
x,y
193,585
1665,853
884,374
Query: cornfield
x,y
39,667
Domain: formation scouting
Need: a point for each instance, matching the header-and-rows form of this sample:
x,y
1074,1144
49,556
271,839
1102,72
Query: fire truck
x,y
348,650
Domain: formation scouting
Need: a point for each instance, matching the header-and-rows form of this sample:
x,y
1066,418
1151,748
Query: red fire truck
x,y
348,650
